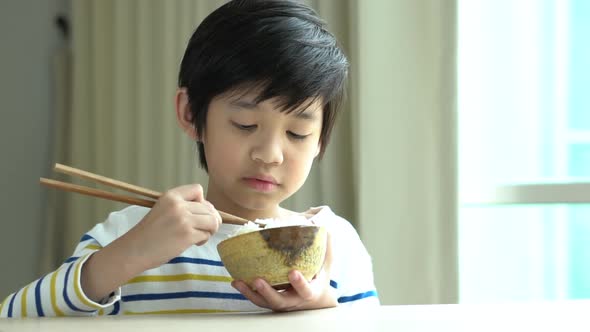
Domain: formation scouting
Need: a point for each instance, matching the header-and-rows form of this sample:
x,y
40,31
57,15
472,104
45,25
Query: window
x,y
524,149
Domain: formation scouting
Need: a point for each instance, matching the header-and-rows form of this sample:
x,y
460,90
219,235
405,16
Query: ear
x,y
318,150
183,113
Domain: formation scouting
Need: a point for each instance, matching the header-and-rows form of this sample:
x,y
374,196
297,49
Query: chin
x,y
257,203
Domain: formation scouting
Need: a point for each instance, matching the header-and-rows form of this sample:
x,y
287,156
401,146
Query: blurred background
x,y
462,156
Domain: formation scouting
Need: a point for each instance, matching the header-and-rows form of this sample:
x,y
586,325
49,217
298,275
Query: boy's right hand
x,y
180,218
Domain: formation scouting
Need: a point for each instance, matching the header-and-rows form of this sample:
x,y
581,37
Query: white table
x,y
549,316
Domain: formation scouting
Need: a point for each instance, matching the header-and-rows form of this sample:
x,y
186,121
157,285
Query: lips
x,y
263,178
261,182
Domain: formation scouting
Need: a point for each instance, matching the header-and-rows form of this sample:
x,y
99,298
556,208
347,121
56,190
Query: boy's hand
x,y
315,294
179,219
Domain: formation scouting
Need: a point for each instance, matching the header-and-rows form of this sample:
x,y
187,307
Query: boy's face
x,y
258,156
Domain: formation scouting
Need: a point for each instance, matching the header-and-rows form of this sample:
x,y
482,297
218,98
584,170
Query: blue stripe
x,y
334,284
10,305
357,296
71,259
182,295
38,298
87,237
202,261
65,292
115,309
177,260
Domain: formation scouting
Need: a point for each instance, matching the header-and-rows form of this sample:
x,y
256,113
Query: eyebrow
x,y
250,105
244,104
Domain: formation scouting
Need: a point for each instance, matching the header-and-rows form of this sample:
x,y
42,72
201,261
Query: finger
x,y
199,208
209,204
217,215
282,301
204,207
250,294
302,286
201,238
205,223
190,192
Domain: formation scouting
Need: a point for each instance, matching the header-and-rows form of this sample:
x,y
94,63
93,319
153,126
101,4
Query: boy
x,y
259,87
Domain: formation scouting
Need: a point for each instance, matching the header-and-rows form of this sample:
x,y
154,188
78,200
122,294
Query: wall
x,y
29,38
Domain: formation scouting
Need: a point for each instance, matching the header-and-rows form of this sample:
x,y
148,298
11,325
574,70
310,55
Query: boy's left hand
x,y
302,294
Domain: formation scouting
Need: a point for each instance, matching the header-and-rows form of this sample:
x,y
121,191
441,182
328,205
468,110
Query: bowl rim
x,y
268,229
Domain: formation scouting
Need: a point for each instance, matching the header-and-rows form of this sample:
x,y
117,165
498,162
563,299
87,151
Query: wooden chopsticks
x,y
151,195
107,181
97,193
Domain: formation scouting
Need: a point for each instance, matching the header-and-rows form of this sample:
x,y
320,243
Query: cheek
x,y
301,162
224,151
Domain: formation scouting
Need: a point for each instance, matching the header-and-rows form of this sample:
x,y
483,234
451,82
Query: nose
x,y
268,150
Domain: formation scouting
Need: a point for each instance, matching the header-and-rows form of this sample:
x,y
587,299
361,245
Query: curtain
x,y
390,165
121,123
53,244
405,146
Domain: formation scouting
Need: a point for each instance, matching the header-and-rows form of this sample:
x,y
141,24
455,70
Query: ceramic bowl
x,y
271,253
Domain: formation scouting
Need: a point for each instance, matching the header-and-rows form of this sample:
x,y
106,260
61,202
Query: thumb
x,y
190,192
217,215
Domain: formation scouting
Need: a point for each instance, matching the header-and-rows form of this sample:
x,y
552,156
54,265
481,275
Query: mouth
x,y
262,183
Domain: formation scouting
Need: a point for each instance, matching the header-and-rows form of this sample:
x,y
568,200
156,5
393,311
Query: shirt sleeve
x,y
352,270
60,293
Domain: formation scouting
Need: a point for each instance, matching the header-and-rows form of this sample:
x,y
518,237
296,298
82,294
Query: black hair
x,y
278,48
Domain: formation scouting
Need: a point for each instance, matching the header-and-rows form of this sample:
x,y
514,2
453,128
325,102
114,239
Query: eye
x,y
296,136
243,126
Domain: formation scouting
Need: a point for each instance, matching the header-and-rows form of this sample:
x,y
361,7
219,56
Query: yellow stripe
x,y
179,311
101,312
77,289
58,312
93,247
23,302
179,277
2,304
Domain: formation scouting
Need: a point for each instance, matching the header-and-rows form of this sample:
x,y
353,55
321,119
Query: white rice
x,y
295,220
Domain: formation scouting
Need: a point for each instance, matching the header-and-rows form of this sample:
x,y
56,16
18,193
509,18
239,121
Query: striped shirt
x,y
194,282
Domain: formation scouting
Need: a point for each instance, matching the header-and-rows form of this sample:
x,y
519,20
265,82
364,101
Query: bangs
x,y
285,99
293,59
